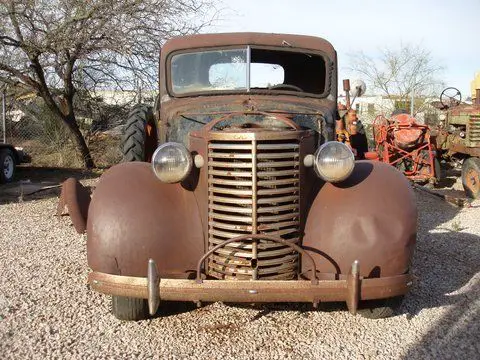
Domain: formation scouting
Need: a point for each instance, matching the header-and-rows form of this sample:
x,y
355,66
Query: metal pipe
x,y
254,237
412,100
4,117
248,67
346,88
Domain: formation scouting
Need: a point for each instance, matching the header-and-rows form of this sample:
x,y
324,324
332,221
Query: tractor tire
x,y
471,177
379,309
129,308
7,166
139,139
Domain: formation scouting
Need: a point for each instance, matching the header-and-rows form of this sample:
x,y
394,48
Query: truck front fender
x,y
134,217
371,217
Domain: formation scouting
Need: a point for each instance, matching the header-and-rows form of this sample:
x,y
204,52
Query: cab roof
x,y
248,38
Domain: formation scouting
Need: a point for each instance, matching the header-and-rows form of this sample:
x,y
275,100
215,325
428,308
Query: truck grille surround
x,y
253,188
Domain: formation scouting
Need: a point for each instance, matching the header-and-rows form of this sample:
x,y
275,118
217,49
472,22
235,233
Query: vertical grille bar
x,y
254,262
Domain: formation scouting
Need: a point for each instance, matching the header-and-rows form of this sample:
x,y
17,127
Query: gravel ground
x,y
48,311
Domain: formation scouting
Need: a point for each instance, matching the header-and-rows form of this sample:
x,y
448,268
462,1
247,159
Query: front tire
x,y
139,139
129,308
471,177
381,308
7,166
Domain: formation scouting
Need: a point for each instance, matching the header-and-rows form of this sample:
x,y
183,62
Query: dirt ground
x,y
32,182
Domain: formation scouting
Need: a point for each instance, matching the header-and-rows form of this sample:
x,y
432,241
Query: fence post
x,y
4,117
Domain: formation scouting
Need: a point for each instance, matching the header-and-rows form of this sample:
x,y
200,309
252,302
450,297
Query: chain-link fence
x,y
29,124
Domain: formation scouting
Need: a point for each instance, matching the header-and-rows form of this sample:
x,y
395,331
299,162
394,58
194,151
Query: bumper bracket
x,y
153,287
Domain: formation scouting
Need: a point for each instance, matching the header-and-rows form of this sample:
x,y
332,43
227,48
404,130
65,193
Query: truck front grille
x,y
253,188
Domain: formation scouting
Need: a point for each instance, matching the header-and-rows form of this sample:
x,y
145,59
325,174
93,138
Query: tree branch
x,y
18,74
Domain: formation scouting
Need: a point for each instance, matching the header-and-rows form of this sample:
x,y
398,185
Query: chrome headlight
x,y
334,161
171,162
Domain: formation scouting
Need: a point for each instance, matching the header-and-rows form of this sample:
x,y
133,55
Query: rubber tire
x,y
134,137
4,155
130,309
379,309
472,163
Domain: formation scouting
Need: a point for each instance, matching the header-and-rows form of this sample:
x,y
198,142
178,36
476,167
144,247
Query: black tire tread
x,y
134,135
129,308
380,309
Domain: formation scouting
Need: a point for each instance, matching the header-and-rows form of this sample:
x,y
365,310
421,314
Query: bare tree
x,y
58,47
400,74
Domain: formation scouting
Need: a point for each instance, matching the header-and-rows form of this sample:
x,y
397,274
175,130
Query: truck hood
x,y
179,117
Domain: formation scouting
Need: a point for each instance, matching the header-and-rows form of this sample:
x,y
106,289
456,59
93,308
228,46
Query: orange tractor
x,y
404,143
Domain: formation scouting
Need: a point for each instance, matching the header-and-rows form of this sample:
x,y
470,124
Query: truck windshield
x,y
247,69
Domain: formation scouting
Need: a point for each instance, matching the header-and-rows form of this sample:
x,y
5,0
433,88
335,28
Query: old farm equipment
x,y
458,136
247,198
402,142
349,129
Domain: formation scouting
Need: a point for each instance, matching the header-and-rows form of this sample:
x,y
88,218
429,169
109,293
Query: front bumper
x,y
351,289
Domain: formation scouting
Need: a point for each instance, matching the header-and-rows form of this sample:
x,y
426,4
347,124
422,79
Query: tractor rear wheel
x,y
379,309
471,177
129,308
139,139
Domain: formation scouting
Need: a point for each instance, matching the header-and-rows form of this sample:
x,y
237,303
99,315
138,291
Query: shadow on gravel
x,y
456,334
34,183
447,263
449,178
265,309
170,308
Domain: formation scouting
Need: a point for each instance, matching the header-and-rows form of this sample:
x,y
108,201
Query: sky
x,y
448,29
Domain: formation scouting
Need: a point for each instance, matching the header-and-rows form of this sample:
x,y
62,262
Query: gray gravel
x,y
47,310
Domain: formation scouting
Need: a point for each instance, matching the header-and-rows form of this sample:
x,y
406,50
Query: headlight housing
x,y
334,161
171,162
